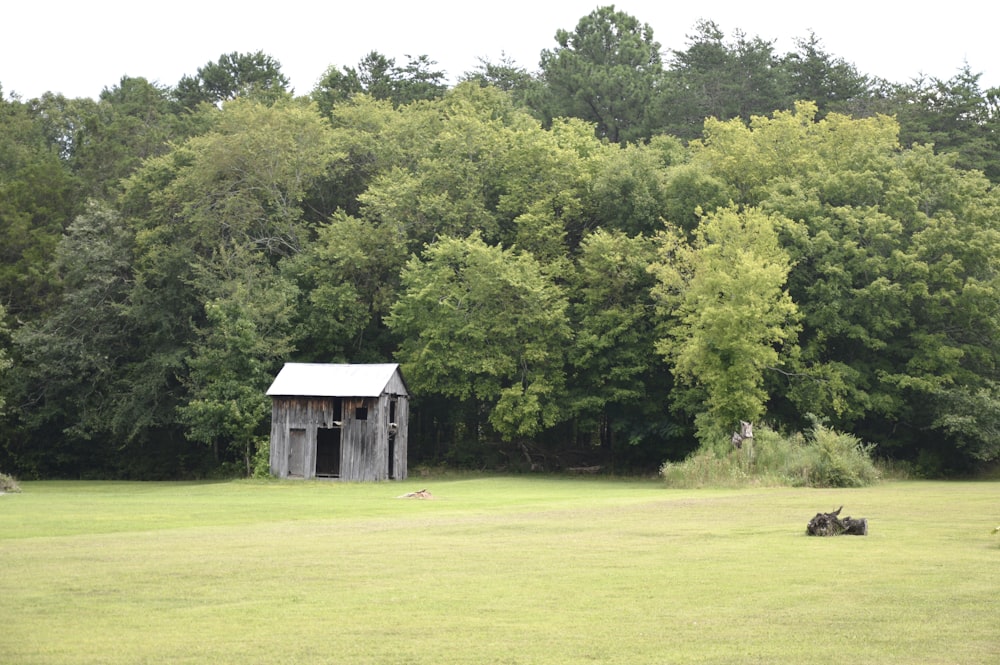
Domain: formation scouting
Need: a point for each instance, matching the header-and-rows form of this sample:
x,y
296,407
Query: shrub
x,y
703,469
260,463
825,459
8,483
836,459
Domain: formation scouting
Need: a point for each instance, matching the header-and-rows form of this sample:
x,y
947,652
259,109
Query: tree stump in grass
x,y
830,524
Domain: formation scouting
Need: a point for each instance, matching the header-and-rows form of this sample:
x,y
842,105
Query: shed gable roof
x,y
332,380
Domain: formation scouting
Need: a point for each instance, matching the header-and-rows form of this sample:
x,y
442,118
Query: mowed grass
x,y
495,570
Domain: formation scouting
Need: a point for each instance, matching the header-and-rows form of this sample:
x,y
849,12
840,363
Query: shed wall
x,y
364,427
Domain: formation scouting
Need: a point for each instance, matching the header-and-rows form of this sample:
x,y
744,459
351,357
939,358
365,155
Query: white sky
x,y
79,48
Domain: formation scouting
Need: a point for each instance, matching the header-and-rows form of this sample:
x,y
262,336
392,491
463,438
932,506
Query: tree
x,y
5,362
39,196
376,74
815,75
606,72
349,278
505,75
133,121
418,80
627,189
891,274
971,417
255,75
954,115
245,338
732,320
241,182
468,162
713,78
336,86
230,198
483,323
379,76
70,376
362,150
615,389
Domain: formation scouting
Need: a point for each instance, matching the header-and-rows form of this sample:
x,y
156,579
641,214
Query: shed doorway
x,y
297,453
328,452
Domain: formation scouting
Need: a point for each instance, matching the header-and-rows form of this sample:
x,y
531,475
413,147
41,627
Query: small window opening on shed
x,y
361,413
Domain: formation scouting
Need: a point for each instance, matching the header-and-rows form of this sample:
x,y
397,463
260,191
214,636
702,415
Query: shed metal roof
x,y
332,380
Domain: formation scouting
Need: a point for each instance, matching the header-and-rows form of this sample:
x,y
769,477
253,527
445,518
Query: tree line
x,y
615,259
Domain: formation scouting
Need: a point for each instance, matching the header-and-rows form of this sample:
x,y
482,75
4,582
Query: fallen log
x,y
830,524
419,494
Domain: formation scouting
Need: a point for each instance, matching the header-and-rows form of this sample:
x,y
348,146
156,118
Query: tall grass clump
x,y
822,458
8,483
837,459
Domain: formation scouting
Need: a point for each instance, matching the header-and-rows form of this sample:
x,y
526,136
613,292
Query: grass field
x,y
495,570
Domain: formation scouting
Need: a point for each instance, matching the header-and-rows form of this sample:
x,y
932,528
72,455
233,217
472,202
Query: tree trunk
x,y
830,524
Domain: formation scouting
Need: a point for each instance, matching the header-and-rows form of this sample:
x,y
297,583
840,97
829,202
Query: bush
x,y
8,483
839,460
703,469
825,459
260,463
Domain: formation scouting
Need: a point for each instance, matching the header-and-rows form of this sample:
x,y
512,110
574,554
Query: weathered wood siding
x,y
294,419
358,446
364,426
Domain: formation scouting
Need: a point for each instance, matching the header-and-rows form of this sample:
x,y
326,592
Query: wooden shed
x,y
339,421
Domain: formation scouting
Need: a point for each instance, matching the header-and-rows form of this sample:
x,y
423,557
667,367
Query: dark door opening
x,y
328,452
392,458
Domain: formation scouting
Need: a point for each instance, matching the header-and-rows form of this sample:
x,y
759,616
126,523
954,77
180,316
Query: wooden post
x,y
746,433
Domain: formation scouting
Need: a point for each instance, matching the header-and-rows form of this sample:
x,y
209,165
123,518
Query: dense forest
x,y
610,260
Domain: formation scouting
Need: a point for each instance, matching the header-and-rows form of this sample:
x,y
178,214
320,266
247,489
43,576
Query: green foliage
x,y
524,88
835,459
824,458
70,364
812,262
478,321
605,72
260,462
614,381
627,190
132,121
350,278
244,341
955,116
888,247
716,79
731,319
834,84
5,361
254,76
380,77
971,418
39,195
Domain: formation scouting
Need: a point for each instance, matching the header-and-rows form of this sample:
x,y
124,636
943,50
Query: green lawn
x,y
495,570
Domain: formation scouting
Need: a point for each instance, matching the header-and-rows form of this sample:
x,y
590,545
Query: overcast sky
x,y
79,48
